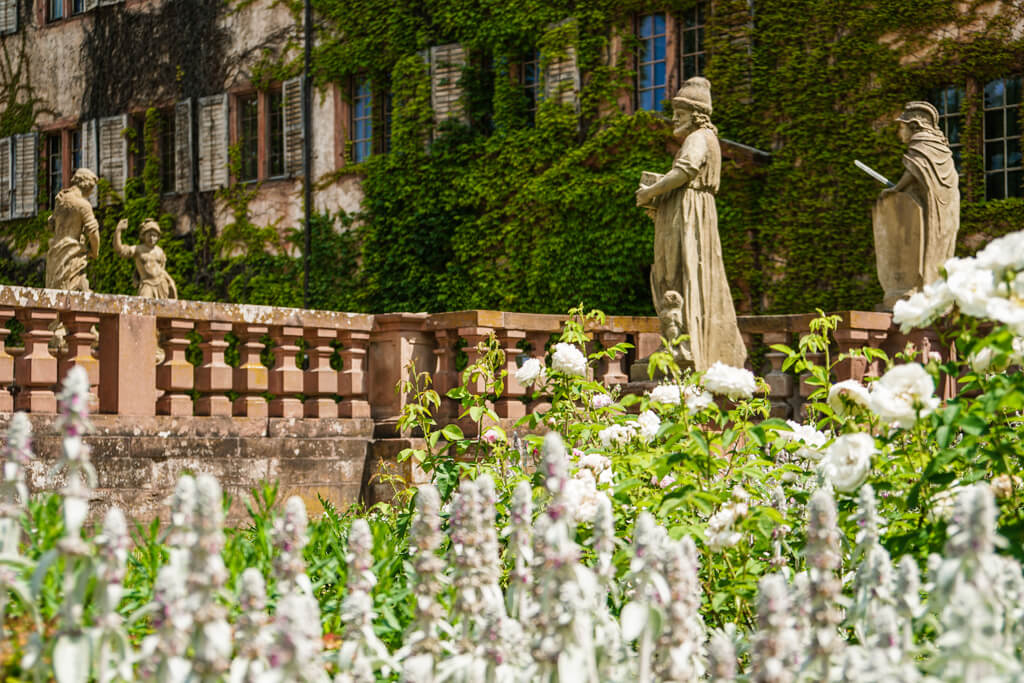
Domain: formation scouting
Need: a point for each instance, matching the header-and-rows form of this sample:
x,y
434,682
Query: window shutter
x,y
6,178
8,16
109,2
562,78
90,153
183,181
446,63
113,151
213,142
294,133
90,5
26,178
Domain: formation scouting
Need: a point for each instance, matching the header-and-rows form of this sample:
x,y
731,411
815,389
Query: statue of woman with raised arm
x,y
687,249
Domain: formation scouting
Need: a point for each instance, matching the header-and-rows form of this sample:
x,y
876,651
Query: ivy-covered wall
x,y
500,211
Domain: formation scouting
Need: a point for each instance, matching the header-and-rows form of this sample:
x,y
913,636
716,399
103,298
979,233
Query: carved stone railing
x,y
118,339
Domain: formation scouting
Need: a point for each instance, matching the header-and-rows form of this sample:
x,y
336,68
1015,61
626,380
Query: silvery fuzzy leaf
x,y
75,511
176,670
633,619
71,659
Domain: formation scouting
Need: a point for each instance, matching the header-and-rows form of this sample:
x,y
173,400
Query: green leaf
x,y
452,432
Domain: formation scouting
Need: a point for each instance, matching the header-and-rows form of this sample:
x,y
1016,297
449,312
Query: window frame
x,y
1003,138
654,86
698,29
55,177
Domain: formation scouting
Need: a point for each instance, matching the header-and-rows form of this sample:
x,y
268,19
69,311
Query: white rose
x,y
736,383
848,394
615,435
532,370
649,424
668,394
902,393
848,461
971,286
1002,253
697,399
568,360
811,440
595,462
600,401
922,307
982,361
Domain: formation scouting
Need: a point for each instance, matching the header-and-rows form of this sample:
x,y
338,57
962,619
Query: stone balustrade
x,y
307,398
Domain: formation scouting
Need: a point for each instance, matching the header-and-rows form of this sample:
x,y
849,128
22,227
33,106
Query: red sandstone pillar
x,y
613,370
474,336
321,380
175,376
214,376
79,342
511,405
286,377
780,383
6,364
128,364
445,377
35,370
251,376
352,384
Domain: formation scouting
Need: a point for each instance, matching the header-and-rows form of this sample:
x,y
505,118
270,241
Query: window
x,y
77,6
949,103
362,121
275,134
167,151
1002,138
248,137
54,10
529,80
137,147
650,84
692,54
76,149
54,167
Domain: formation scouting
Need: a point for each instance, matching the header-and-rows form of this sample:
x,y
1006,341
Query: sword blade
x,y
872,172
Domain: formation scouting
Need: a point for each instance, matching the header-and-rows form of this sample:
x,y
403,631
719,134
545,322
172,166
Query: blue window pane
x,y
993,124
659,97
994,186
646,75
1013,184
659,73
659,47
647,100
994,156
646,23
953,129
659,23
1013,153
995,93
1013,86
1012,122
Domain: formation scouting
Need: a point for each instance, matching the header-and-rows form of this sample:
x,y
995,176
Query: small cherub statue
x,y
150,260
670,313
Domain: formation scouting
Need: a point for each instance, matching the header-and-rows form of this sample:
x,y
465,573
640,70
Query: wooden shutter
x,y
90,153
109,2
113,151
8,16
562,78
6,178
446,64
90,5
294,132
213,142
26,175
183,180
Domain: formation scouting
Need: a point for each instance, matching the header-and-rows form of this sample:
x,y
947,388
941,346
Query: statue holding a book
x,y
688,266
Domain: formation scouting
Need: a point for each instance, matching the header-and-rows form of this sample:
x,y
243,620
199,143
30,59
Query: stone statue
x,y
76,237
670,314
687,250
150,261
917,219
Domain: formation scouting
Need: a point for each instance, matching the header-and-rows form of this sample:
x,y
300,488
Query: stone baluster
x,y
445,376
474,336
613,370
80,340
780,383
214,376
6,364
848,339
251,377
175,376
352,383
321,380
511,405
286,378
35,370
